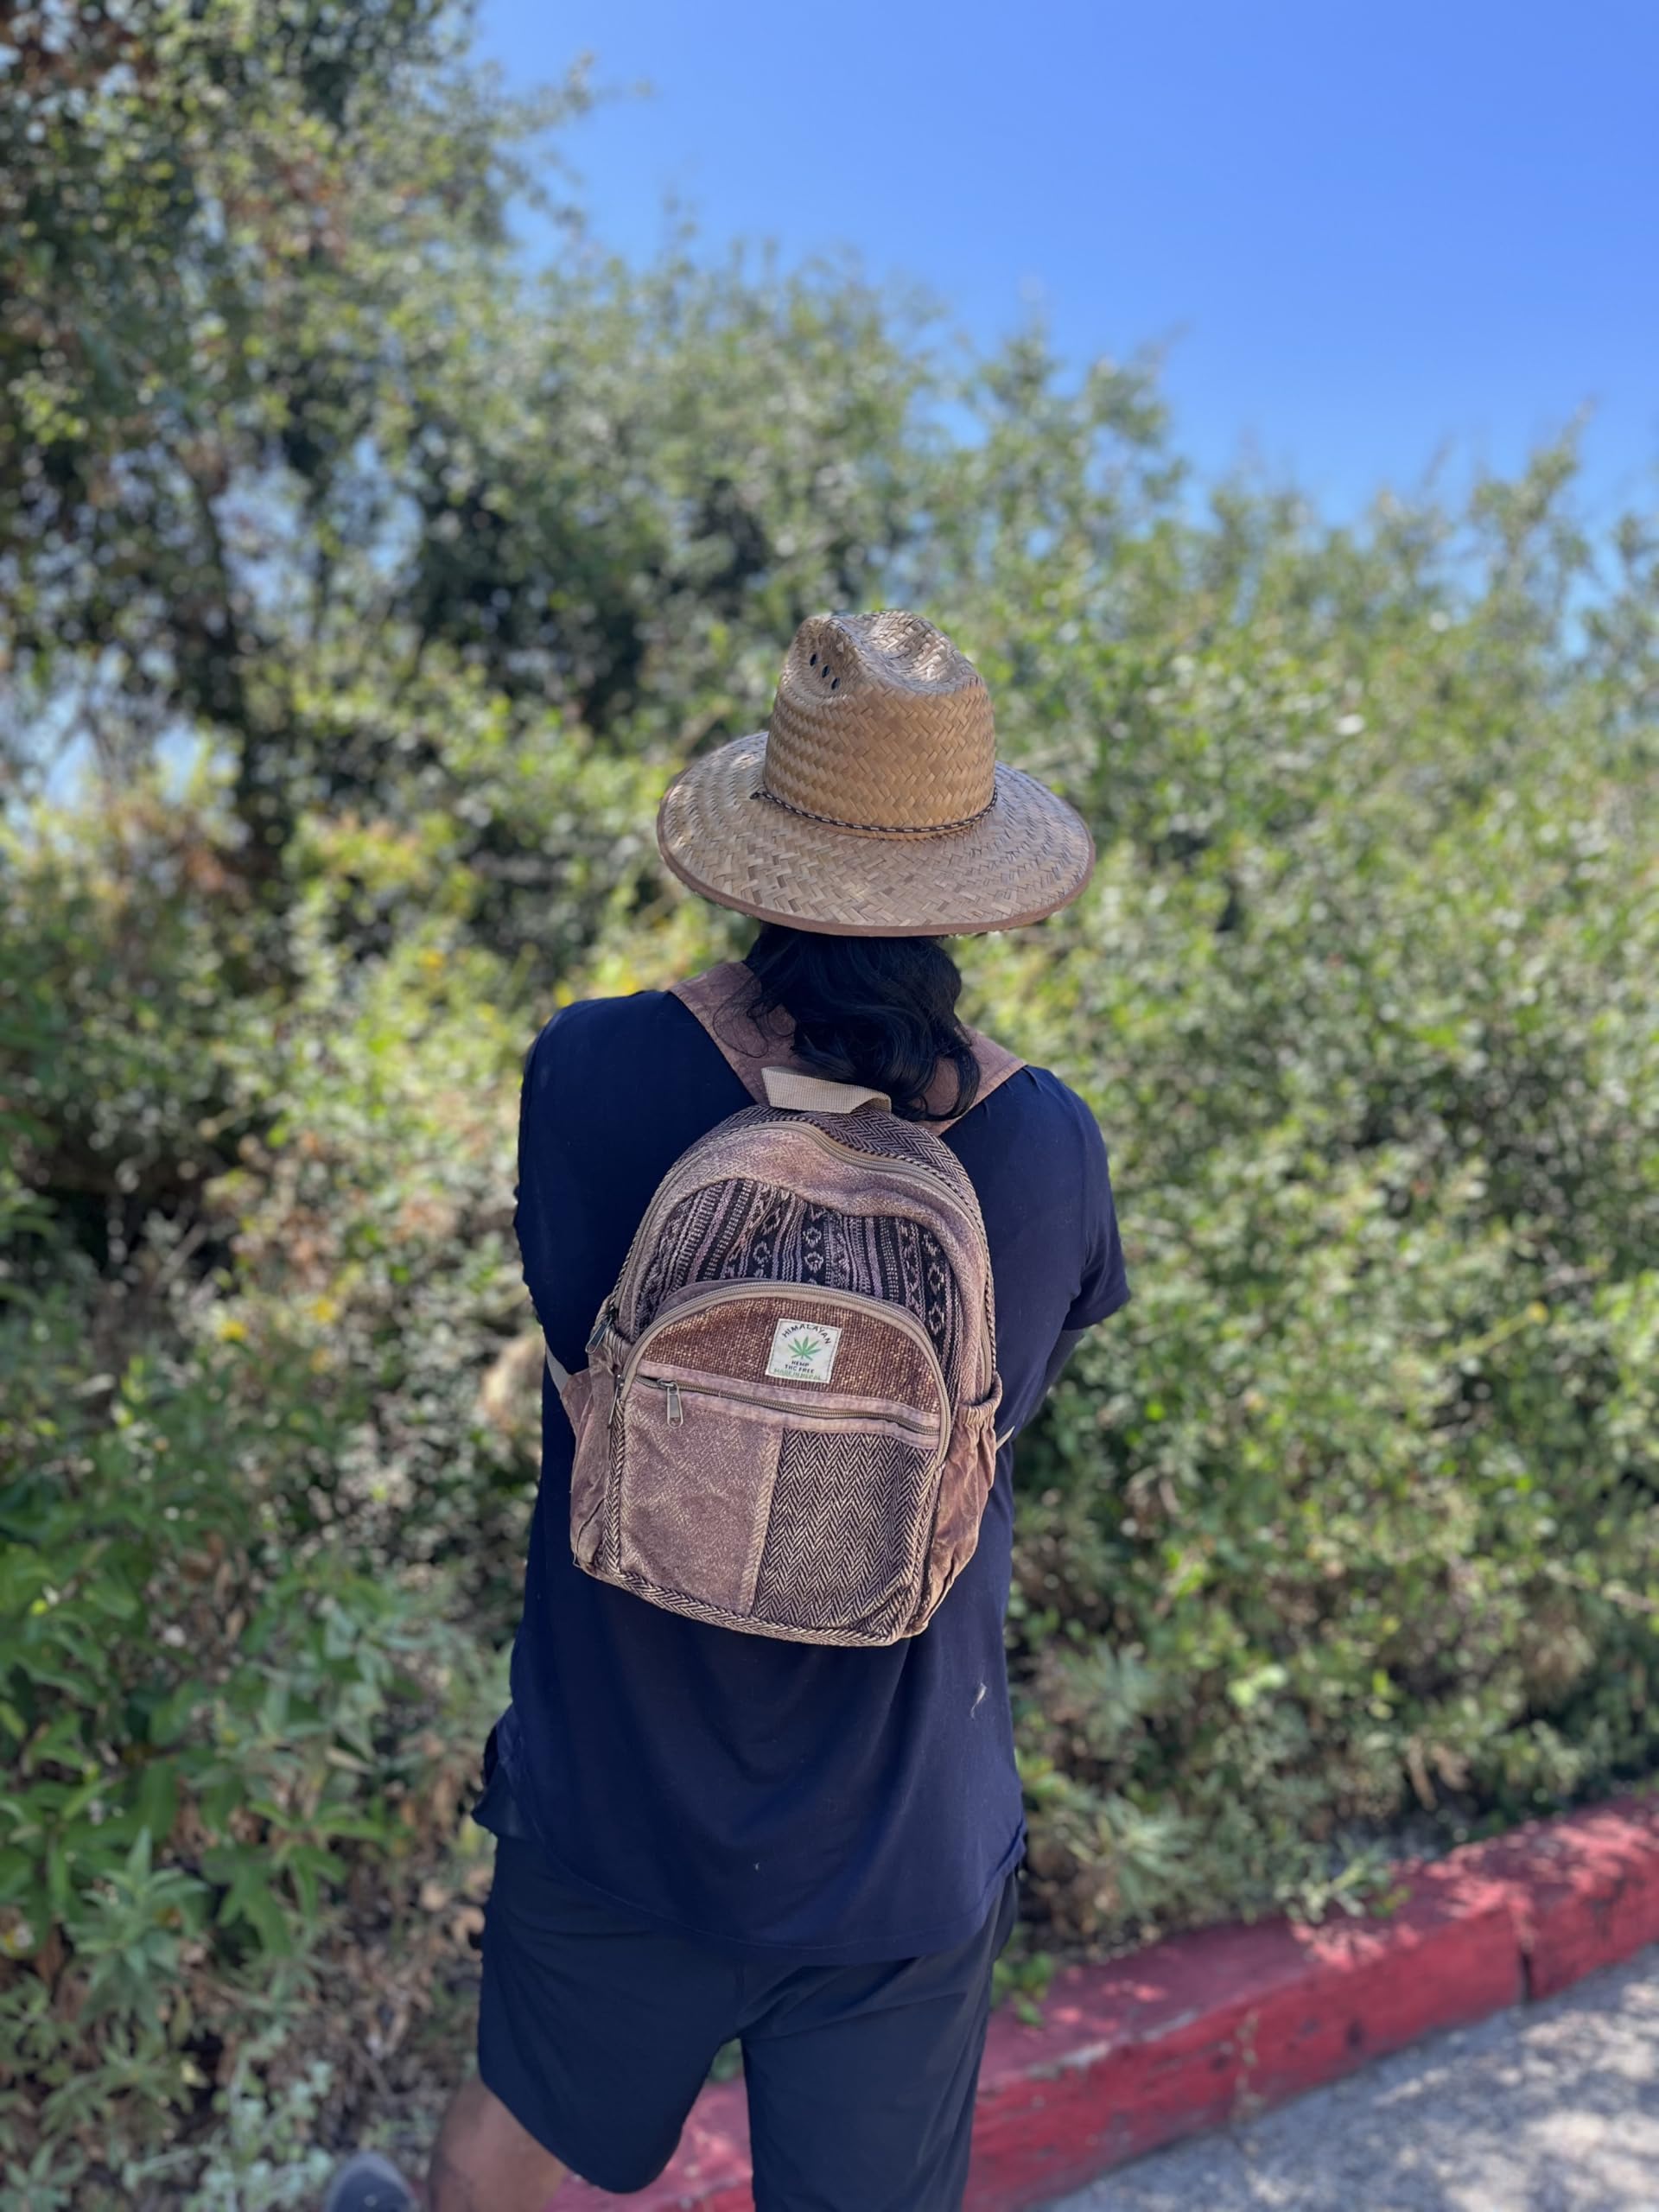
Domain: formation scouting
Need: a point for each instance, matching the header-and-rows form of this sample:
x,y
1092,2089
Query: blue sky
x,y
1367,233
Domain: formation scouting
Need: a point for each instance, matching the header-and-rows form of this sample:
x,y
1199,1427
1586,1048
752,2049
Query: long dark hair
x,y
875,1010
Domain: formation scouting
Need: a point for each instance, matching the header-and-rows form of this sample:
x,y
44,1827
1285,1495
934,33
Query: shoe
x,y
368,2183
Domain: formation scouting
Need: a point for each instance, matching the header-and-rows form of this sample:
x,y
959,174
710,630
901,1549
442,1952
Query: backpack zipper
x,y
674,1412
796,1293
661,1197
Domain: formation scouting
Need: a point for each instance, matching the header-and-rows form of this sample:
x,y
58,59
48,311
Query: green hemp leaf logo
x,y
802,1352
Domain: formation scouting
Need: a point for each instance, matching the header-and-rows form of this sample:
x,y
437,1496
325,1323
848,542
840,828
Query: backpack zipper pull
x,y
672,1405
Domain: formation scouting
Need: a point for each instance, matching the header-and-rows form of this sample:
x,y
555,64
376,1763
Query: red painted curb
x,y
1206,2028
1585,1889
1191,2032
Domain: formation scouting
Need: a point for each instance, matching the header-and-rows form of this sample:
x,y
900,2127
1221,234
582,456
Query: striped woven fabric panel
x,y
742,1230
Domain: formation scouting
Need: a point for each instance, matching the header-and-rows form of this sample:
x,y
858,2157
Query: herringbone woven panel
x,y
847,1521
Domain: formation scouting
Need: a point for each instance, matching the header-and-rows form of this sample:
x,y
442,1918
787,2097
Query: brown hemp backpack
x,y
786,1424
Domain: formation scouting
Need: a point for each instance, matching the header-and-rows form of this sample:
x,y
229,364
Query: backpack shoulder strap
x,y
719,999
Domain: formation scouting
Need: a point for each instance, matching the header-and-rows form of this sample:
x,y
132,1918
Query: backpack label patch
x,y
804,1352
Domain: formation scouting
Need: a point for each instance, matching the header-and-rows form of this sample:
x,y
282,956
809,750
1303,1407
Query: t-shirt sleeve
x,y
532,1212
1105,1284
553,1206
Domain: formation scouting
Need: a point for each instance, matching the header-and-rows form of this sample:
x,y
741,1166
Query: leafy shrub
x,y
216,1724
1347,1528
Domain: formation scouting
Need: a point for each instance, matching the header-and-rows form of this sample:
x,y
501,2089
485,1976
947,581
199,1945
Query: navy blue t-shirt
x,y
793,1802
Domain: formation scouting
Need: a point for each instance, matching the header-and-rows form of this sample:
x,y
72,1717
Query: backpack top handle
x,y
817,1094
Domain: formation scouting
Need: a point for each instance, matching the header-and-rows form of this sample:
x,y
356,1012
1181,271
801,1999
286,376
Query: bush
x,y
225,1728
1346,1530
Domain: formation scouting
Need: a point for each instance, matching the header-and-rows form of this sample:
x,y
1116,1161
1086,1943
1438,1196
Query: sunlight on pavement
x,y
1551,2109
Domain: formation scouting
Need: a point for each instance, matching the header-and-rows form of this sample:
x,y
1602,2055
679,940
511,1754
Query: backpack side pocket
x,y
587,1396
964,1486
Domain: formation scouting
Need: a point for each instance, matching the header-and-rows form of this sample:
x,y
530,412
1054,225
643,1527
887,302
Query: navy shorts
x,y
596,2031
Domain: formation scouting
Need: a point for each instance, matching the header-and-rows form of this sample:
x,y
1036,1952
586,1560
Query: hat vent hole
x,y
834,683
813,661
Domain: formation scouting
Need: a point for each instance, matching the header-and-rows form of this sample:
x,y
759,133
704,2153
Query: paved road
x,y
1554,2109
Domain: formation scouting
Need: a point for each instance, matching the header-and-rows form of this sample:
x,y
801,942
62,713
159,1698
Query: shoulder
x,y
592,1032
619,1071
1033,1128
1038,1097
1049,1143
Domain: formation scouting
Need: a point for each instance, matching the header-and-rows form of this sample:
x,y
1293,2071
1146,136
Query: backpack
x,y
786,1424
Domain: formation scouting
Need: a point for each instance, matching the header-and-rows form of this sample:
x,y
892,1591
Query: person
x,y
704,1835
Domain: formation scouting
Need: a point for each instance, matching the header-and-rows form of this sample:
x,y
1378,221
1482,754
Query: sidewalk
x,y
1553,2108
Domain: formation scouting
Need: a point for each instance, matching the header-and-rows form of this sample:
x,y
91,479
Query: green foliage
x,y
384,585
266,2157
1351,1516
212,1715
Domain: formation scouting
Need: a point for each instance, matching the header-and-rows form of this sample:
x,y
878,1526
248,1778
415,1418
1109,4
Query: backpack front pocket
x,y
846,1549
744,1492
693,1491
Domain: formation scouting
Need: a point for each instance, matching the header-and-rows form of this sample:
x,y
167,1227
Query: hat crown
x,y
880,724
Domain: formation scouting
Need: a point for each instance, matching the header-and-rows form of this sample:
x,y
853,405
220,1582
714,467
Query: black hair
x,y
875,1010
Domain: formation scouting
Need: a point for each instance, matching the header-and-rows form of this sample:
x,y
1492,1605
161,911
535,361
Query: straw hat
x,y
872,805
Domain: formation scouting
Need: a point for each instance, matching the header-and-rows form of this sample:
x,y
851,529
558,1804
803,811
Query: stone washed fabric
x,y
749,1229
783,1801
794,1432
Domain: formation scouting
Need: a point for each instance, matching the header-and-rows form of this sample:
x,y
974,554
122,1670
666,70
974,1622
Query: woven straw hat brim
x,y
1028,855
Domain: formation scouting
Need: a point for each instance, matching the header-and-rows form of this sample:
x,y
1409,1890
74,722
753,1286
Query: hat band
x,y
877,828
